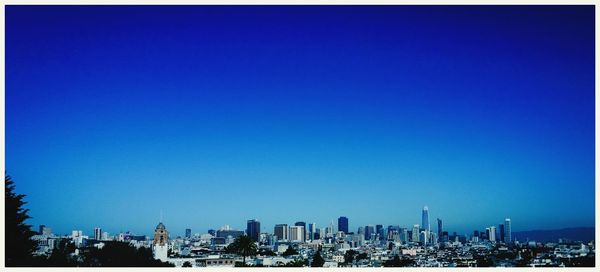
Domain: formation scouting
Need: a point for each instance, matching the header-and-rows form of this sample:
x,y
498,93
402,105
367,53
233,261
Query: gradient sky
x,y
216,115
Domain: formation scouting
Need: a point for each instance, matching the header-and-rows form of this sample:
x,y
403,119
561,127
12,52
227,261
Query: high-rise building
x,y
281,231
297,233
425,219
97,234
507,231
440,227
160,243
343,224
312,231
188,233
380,232
501,229
369,232
404,238
253,229
492,234
361,231
415,233
424,237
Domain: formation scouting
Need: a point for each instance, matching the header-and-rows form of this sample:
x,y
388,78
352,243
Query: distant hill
x,y
575,234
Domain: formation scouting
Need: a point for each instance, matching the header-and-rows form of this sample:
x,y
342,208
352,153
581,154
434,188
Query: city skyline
x,y
253,228
118,116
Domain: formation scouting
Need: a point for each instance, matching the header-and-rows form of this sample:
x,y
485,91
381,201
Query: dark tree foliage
x,y
289,252
244,246
60,256
317,260
120,254
398,262
484,261
362,256
266,252
349,256
19,246
186,264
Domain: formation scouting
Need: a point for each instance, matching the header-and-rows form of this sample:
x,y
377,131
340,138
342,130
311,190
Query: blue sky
x,y
216,115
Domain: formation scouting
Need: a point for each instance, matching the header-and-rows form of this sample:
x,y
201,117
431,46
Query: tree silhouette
x,y
187,264
121,254
243,245
317,261
296,263
19,246
60,255
289,252
349,256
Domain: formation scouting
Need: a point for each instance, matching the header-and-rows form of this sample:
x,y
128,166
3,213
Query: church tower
x,y
160,244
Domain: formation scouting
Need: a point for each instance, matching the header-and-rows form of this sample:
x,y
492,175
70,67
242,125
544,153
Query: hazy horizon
x,y
220,114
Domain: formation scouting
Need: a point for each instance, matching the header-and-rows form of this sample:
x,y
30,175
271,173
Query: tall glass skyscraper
x,y
380,231
425,219
311,231
343,224
253,229
440,228
369,231
281,231
507,231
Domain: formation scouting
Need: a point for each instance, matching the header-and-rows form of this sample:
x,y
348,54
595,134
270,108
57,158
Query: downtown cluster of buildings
x,y
419,244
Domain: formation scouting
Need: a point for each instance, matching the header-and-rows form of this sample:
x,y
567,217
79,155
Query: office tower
x,y
434,239
297,233
445,237
424,237
311,231
97,233
105,236
492,234
501,228
425,219
253,229
188,233
415,233
440,227
281,231
343,224
360,231
369,232
404,238
380,232
507,231
332,228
